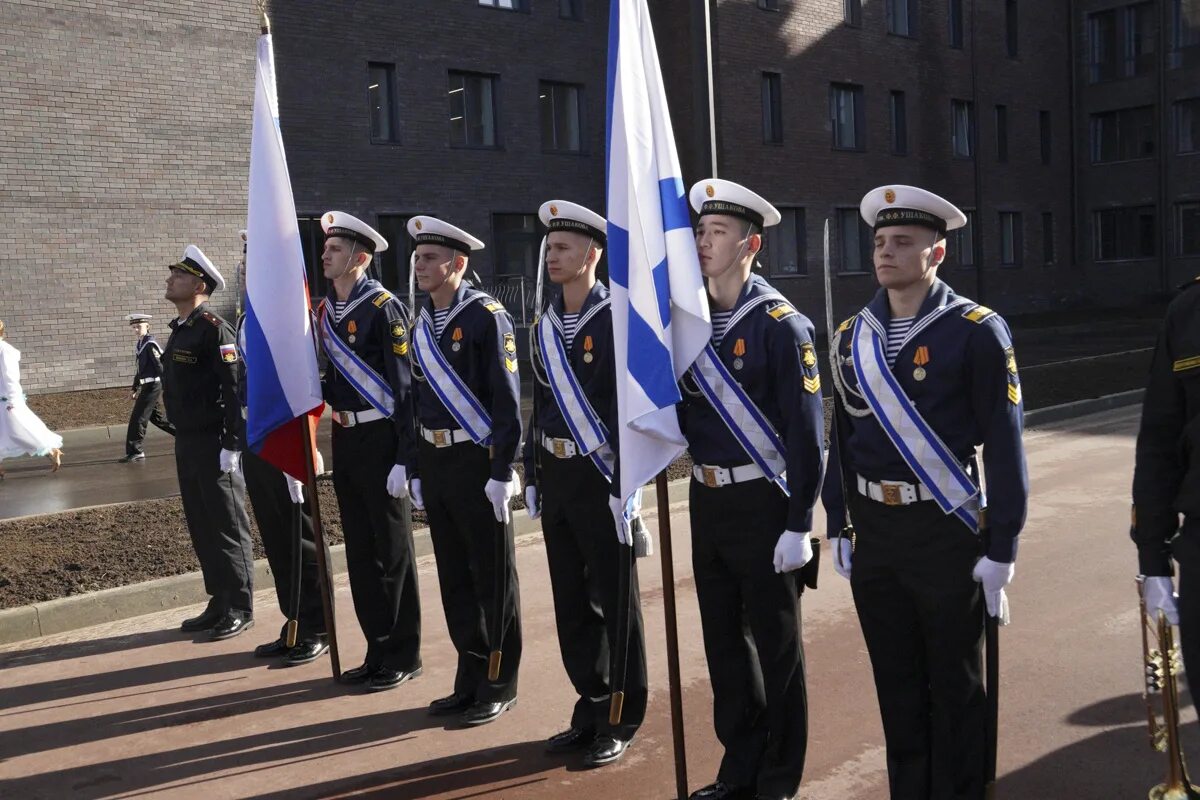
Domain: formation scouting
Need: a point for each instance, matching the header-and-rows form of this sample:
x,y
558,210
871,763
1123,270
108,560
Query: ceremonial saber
x,y
992,670
668,573
621,654
500,587
297,553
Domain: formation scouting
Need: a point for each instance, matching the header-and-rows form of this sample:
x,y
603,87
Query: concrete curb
x,y
83,437
1050,414
84,610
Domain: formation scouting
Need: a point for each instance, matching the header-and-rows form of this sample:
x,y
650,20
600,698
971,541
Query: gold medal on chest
x,y
920,358
587,358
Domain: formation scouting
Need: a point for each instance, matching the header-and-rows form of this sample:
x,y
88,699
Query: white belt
x,y
348,419
560,448
893,493
724,476
144,381
444,437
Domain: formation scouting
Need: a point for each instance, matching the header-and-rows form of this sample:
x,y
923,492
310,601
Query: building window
x,y
510,5
517,240
312,245
562,117
472,109
1002,134
1044,132
1187,229
902,17
852,12
570,9
768,5
784,245
1121,42
856,242
1186,21
846,112
1187,126
961,242
772,108
394,262
955,15
899,120
1123,135
1124,233
381,99
962,128
1010,239
1010,26
1047,237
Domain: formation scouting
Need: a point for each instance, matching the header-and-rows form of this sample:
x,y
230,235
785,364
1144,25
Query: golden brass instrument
x,y
1163,663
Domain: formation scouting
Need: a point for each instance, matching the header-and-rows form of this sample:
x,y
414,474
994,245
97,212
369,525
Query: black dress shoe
x,y
306,651
570,740
231,625
360,674
205,621
605,750
721,791
387,678
483,713
452,704
271,649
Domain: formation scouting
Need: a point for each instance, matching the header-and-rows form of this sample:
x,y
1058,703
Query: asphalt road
x,y
134,709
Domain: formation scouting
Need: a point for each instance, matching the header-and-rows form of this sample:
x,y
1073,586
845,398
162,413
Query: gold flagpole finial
x,y
264,23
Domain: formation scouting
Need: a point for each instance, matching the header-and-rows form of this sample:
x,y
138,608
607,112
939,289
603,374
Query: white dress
x,y
21,432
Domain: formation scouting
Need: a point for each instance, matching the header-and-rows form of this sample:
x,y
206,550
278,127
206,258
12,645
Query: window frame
x,y
393,111
768,5
858,95
1017,243
865,242
954,24
898,122
800,229
1191,106
964,258
534,240
576,13
772,107
852,13
1001,119
494,80
1012,43
1133,212
911,14
519,6
1180,207
580,122
1096,134
969,107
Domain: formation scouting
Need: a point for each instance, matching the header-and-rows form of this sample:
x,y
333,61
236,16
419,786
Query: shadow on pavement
x,y
91,647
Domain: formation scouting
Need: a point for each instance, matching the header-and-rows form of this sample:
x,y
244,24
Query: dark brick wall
x,y
125,128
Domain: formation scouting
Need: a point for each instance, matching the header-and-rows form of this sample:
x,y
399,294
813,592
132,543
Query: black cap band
x,y
192,268
909,216
575,226
444,241
353,235
731,210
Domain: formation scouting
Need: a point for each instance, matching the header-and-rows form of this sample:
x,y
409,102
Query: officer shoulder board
x,y
213,318
781,311
977,313
381,300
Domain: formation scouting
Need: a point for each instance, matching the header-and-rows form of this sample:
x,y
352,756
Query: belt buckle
x,y
345,418
891,494
439,438
560,448
710,477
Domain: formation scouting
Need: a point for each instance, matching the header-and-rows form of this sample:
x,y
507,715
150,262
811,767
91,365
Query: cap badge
x,y
709,190
329,219
889,196
417,224
554,211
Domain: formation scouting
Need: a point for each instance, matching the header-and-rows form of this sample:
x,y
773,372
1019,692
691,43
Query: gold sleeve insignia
x,y
1184,364
510,364
381,300
808,355
812,385
493,307
978,313
398,330
510,343
780,311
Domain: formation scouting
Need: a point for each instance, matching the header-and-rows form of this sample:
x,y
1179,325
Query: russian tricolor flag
x,y
283,385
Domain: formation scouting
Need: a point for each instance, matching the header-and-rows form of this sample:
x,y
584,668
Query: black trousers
x,y
464,532
379,545
583,555
922,618
1186,549
214,504
750,616
273,510
145,409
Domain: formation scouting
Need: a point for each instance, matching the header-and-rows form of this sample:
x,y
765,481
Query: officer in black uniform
x,y
146,390
465,484
569,491
200,388
920,549
364,334
1166,483
748,536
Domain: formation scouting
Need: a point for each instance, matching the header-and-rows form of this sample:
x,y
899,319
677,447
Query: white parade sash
x,y
369,384
586,427
450,389
922,449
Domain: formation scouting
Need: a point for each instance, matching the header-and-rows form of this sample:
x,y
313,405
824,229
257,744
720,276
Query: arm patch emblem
x,y
228,353
510,343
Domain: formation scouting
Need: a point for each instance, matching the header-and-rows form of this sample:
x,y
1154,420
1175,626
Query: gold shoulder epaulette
x,y
494,306
379,301
846,325
978,313
780,311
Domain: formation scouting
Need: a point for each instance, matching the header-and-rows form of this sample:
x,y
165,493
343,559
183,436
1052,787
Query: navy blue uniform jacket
x,y
200,378
148,356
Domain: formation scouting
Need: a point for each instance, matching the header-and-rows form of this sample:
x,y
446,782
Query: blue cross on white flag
x,y
659,308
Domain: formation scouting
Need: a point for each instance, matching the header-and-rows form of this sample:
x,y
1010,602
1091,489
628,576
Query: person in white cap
x,y
365,333
923,377
468,410
569,464
753,420
146,390
200,390
22,433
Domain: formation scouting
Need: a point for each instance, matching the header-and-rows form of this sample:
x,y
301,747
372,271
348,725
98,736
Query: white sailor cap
x,y
717,196
563,215
196,263
135,319
339,223
428,230
909,205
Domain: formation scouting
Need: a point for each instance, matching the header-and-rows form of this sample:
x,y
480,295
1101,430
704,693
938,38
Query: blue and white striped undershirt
x,y
720,321
569,322
439,320
897,329
338,307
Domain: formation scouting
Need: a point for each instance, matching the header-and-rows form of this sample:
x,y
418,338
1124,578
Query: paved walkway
x,y
135,709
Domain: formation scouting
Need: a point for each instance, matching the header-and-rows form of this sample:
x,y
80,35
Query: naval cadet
x,y
569,462
146,390
924,376
752,417
200,389
364,332
1166,484
468,413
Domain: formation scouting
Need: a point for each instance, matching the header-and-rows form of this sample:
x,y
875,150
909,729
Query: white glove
x,y
500,493
230,460
624,534
994,575
533,503
792,551
1160,596
320,462
397,482
295,488
843,556
414,491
